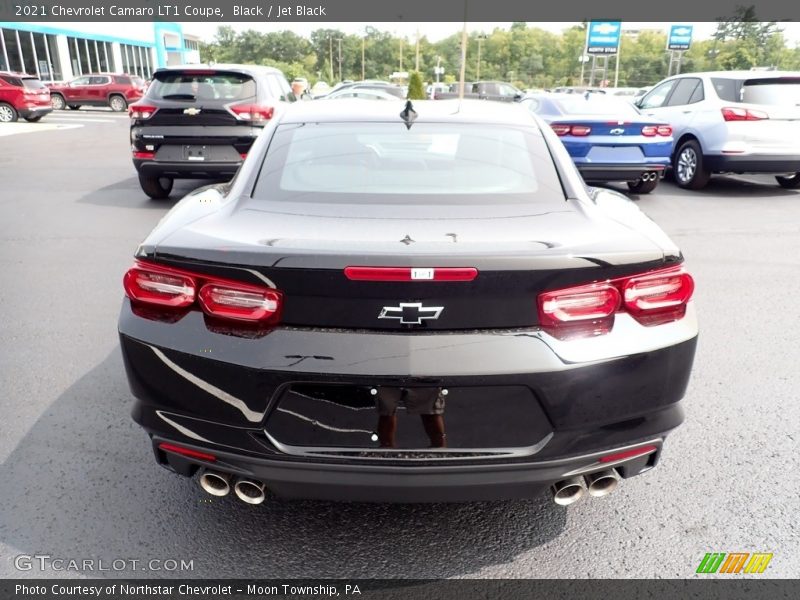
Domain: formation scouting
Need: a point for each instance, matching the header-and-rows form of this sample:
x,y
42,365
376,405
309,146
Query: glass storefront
x,y
28,52
136,60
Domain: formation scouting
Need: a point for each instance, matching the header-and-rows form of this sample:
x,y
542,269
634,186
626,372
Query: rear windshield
x,y
30,83
764,90
386,163
202,85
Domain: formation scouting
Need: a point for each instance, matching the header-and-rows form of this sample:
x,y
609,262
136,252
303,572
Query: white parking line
x,y
90,120
15,128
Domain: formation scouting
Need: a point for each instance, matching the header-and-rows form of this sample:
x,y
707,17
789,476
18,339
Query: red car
x,y
22,96
97,89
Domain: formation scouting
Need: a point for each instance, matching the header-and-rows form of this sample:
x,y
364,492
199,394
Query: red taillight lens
x,y
252,112
141,111
579,311
560,129
664,130
743,114
152,285
410,273
649,130
242,303
143,155
651,298
580,130
658,297
627,454
186,452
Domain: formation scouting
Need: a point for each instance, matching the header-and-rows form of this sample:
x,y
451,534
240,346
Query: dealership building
x,y
61,51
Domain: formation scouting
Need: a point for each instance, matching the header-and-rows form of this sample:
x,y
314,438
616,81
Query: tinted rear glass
x,y
32,83
784,91
385,163
202,85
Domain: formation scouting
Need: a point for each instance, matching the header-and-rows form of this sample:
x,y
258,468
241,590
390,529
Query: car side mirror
x,y
517,97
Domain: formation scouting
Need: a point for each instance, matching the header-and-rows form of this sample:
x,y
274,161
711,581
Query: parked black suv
x,y
198,122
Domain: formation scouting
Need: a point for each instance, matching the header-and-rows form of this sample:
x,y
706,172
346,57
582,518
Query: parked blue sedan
x,y
607,138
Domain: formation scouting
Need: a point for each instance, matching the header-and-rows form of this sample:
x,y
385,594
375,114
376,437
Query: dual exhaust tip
x,y
219,484
649,176
569,491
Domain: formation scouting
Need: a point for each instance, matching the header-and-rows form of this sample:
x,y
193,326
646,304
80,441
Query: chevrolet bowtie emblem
x,y
617,131
191,111
411,313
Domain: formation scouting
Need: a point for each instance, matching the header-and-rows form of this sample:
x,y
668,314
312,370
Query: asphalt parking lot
x,y
77,478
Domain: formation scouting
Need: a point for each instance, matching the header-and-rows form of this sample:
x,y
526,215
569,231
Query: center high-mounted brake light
x,y
410,273
157,285
141,111
743,114
651,298
251,112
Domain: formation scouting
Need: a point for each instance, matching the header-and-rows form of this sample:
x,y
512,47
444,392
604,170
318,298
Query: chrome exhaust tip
x,y
249,491
215,483
568,491
602,483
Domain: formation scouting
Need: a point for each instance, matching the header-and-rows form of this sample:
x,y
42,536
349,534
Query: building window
x,y
12,51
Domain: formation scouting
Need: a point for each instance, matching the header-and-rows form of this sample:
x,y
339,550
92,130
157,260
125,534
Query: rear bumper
x,y
753,163
219,393
595,172
34,111
186,169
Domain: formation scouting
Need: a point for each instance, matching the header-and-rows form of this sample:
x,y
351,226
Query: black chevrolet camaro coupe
x,y
403,303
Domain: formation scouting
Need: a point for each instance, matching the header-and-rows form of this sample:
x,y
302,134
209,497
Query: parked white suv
x,y
732,121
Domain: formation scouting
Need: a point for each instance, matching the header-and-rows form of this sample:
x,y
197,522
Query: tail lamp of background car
x,y
654,130
562,129
651,298
251,112
155,285
743,114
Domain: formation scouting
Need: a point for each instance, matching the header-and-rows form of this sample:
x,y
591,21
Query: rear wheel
x,y
791,182
156,187
57,102
643,187
688,168
117,103
34,119
7,113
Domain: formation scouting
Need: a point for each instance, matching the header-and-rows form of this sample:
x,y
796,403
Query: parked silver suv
x,y
732,121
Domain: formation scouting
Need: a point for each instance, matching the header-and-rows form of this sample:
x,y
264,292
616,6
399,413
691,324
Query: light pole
x,y
363,50
480,41
330,55
401,55
416,64
340,57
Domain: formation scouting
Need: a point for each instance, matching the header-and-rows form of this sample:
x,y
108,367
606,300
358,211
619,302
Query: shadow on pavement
x,y
83,484
128,194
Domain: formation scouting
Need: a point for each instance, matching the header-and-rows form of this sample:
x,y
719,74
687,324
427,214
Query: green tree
x,y
415,89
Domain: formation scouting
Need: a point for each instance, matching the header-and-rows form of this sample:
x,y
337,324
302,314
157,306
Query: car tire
x,y
7,113
790,183
642,187
74,106
158,188
57,102
688,168
34,119
117,103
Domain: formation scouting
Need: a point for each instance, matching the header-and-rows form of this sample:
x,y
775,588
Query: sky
x,y
438,31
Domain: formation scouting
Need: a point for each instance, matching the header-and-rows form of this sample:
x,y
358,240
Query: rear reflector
x,y
627,454
186,452
144,155
411,273
743,114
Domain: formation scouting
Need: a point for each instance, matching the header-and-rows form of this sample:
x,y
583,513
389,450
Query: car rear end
x,y
392,314
200,122
754,125
27,95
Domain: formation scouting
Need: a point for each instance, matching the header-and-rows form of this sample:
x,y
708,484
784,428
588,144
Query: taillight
x,y
149,284
658,297
579,311
578,130
186,452
143,155
152,285
141,111
252,112
651,298
653,130
243,303
664,130
743,114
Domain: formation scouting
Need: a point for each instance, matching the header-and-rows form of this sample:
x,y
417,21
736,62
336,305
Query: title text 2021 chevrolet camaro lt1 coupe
x,y
397,303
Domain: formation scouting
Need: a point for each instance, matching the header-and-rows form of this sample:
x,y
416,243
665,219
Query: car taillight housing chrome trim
x,y
652,298
157,285
141,112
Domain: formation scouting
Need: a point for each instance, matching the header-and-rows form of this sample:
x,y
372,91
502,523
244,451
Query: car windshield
x,y
430,163
202,85
32,83
596,105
